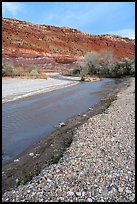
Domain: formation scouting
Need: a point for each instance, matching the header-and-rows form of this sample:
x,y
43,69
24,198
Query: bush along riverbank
x,y
103,64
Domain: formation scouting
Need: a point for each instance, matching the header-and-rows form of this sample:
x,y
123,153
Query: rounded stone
x,y
89,199
120,189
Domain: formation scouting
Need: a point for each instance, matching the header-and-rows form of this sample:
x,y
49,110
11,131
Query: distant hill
x,y
52,47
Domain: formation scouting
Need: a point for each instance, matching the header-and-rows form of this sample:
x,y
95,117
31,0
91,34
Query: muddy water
x,y
26,121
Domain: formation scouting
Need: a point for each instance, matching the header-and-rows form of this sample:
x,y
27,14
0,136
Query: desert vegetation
x,y
9,70
103,64
94,64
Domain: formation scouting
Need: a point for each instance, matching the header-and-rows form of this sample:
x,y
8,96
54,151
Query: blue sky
x,y
116,18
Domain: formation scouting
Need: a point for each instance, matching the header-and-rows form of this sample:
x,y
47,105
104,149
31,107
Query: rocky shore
x,y
99,165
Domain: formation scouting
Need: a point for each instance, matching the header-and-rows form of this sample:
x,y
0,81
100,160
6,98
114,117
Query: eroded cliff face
x,y
52,47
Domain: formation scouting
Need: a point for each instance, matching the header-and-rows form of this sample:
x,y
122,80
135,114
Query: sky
x,y
117,18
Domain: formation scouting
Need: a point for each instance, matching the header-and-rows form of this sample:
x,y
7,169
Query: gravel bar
x,y
99,165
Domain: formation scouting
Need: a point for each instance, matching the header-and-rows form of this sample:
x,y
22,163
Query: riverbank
x,y
31,164
17,88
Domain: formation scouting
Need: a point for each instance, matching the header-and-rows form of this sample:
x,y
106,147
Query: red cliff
x,y
51,46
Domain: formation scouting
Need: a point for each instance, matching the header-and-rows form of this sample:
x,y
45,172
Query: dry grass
x,y
9,70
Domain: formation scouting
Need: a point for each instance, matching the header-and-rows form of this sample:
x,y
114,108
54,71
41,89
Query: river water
x,y
26,121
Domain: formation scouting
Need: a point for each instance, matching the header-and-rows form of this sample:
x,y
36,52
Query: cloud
x,y
130,33
13,8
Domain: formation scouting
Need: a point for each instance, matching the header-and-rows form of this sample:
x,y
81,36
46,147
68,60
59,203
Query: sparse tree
x,y
107,56
89,64
104,64
83,70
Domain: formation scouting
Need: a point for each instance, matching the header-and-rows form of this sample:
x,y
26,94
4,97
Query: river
x,y
26,121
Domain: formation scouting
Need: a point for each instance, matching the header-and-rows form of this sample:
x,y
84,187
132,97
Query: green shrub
x,y
7,69
34,72
11,71
75,72
132,70
32,69
100,64
72,72
91,63
122,68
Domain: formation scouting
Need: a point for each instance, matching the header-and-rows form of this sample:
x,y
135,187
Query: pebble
x,y
97,167
89,200
31,154
128,191
61,124
7,199
120,190
132,197
70,193
49,180
78,193
16,160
